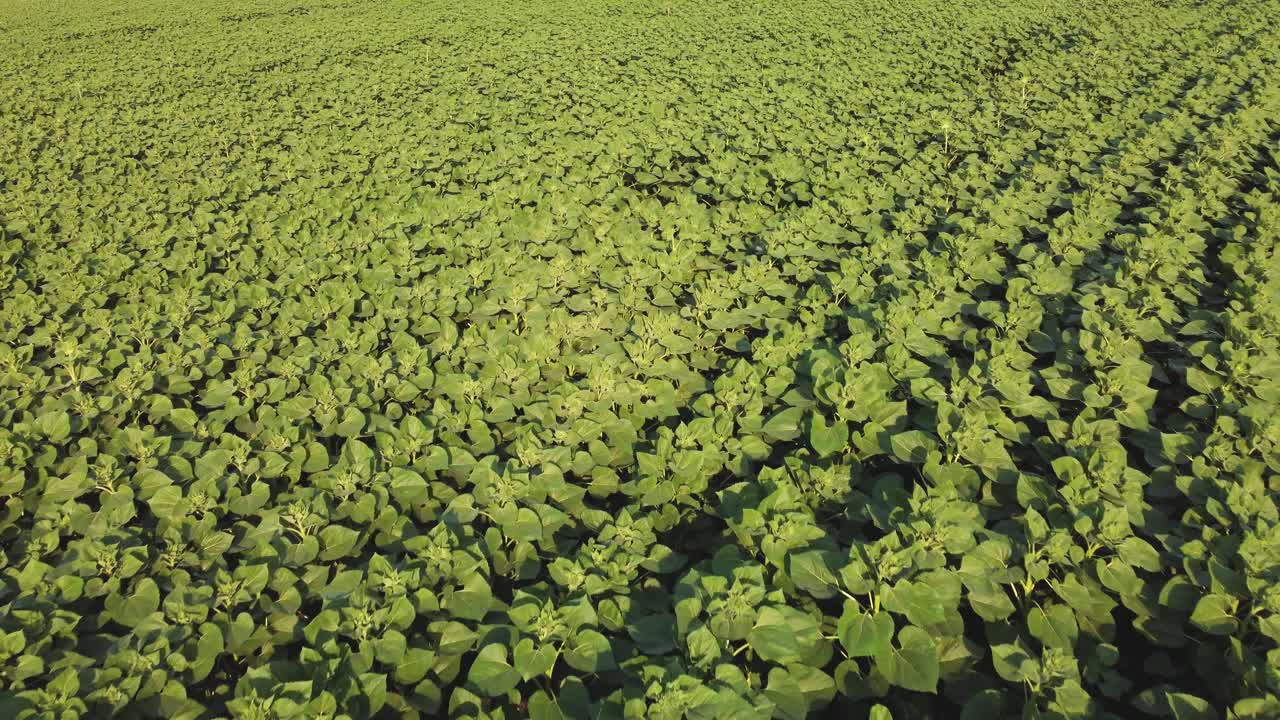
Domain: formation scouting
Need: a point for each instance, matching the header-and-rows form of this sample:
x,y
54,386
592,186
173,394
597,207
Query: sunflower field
x,y
629,359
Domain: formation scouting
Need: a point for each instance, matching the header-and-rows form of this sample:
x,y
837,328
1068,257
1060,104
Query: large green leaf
x,y
1215,614
589,651
783,634
140,602
913,663
863,634
490,673
1053,625
912,446
827,438
784,425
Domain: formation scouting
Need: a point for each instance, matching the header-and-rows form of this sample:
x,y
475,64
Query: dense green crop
x,y
640,359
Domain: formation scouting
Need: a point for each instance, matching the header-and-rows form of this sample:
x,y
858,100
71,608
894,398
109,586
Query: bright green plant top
x,y
655,359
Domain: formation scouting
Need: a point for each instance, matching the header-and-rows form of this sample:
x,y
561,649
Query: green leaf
x,y
818,687
1185,706
783,634
1139,552
1054,626
918,601
527,526
183,419
543,707
455,638
408,488
1215,614
879,712
534,660
137,605
913,446
208,648
212,465
239,633
789,699
863,634
373,690
353,422
1202,381
491,675
703,647
59,490
473,601
338,542
913,664
784,425
653,634
215,544
1013,663
1068,469
589,651
989,600
986,705
56,426
151,481
414,666
1117,576
390,647
1166,701
13,643
317,458
65,684
1180,594
164,504
218,394
827,440
811,572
